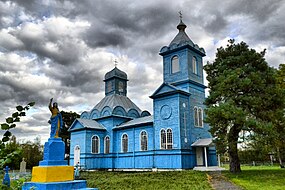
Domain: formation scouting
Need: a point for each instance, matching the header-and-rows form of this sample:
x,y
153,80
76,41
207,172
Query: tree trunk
x,y
233,150
279,158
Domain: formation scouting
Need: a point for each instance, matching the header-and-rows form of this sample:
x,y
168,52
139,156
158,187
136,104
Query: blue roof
x,y
136,122
86,123
117,100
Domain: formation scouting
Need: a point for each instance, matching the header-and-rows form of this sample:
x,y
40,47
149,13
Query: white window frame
x,y
122,147
196,111
177,64
98,145
194,65
146,145
105,146
167,143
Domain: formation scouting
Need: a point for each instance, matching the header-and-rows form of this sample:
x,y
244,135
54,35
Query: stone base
x,y
52,174
68,185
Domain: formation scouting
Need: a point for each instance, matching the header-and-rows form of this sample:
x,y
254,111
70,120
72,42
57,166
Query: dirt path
x,y
219,182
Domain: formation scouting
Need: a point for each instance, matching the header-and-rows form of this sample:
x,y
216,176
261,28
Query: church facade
x,y
117,134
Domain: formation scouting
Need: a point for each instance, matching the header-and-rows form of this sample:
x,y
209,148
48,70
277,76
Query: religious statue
x,y
55,120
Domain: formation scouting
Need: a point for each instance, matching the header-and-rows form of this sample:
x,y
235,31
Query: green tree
x,y
7,126
243,96
68,118
32,152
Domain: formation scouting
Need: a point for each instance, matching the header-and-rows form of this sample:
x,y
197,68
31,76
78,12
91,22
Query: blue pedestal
x,y
66,185
54,151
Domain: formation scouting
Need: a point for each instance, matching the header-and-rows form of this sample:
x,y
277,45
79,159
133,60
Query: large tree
x,y
243,96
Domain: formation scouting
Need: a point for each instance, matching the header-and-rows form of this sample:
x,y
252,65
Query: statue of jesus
x,y
55,120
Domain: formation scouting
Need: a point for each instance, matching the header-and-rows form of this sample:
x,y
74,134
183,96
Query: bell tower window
x,y
194,65
175,64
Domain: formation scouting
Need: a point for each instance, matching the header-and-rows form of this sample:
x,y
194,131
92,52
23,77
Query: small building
x,y
117,134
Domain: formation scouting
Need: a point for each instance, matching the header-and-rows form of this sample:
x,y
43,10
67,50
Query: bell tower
x,y
182,60
116,82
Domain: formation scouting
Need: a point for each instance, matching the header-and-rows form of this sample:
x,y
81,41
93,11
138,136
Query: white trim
x,y
122,143
98,144
171,139
198,118
77,155
160,138
195,65
202,124
105,144
141,140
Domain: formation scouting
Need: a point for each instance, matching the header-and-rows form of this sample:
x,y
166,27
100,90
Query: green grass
x,y
259,178
147,180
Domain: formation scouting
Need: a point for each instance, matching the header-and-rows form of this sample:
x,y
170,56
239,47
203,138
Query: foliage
x,y
13,153
68,118
32,152
7,126
243,97
259,178
147,180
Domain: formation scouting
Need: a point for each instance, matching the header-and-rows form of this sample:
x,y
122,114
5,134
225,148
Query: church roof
x,y
181,37
182,40
115,100
203,142
135,122
86,123
116,73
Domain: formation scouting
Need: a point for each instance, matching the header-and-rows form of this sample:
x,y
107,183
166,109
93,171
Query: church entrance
x,y
199,156
76,155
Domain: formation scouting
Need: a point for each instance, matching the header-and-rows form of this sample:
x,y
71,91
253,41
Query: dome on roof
x,y
116,73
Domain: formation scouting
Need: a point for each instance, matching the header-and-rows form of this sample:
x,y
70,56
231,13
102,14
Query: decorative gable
x,y
167,89
81,124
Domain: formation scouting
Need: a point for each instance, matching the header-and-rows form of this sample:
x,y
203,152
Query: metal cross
x,y
116,62
180,15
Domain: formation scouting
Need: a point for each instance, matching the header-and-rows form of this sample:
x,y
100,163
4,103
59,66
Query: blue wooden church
x,y
117,134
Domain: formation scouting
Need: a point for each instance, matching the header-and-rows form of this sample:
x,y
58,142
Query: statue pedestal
x,y
53,171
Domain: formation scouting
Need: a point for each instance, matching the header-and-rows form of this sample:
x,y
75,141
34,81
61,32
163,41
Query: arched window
x,y
166,139
107,145
175,64
196,123
200,117
169,141
194,65
162,139
125,143
143,138
95,144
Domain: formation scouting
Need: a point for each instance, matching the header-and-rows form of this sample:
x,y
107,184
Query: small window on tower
x,y
121,86
194,65
109,86
175,64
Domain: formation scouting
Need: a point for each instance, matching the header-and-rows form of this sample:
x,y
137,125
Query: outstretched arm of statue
x,y
50,107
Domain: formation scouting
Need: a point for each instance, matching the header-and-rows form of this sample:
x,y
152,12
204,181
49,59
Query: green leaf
x,y
8,160
23,114
12,126
17,119
20,108
4,126
7,134
9,120
31,104
16,114
5,139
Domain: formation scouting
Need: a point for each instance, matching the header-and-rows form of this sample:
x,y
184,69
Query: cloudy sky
x,y
63,48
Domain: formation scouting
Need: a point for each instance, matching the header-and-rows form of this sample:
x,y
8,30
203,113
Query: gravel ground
x,y
219,182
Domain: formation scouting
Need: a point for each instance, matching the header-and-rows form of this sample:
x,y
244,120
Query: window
x,y
162,139
169,138
198,117
143,138
121,86
125,143
175,64
194,65
166,139
95,144
107,145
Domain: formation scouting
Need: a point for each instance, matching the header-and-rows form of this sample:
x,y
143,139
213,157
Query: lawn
x,y
147,180
259,178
